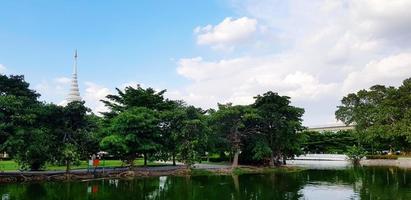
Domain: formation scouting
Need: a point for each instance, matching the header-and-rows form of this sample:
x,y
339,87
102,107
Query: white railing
x,y
330,157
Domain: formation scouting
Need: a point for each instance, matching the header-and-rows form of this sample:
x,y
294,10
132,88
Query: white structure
x,y
74,94
331,128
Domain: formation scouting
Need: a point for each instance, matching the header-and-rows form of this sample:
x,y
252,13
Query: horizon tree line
x,y
141,122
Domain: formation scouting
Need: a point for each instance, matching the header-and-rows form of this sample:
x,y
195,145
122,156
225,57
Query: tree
x,y
43,134
355,154
76,128
171,124
230,125
16,103
135,97
192,139
328,142
135,131
20,122
280,124
381,116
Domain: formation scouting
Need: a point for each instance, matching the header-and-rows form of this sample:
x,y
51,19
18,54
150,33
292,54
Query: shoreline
x,y
25,177
180,170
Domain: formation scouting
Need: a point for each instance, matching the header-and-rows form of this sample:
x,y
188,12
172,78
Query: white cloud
x,y
388,70
57,89
93,94
63,80
238,80
227,33
317,51
54,90
2,68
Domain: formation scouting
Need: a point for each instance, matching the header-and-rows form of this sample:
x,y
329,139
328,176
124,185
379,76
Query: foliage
x,y
135,97
192,140
171,124
356,153
230,124
140,121
279,125
328,142
136,131
382,115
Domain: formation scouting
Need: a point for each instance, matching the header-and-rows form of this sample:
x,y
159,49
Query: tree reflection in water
x,y
355,183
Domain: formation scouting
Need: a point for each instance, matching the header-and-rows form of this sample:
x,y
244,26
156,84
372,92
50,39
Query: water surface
x,y
352,183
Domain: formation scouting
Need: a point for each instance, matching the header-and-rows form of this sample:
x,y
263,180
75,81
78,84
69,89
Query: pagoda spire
x,y
74,94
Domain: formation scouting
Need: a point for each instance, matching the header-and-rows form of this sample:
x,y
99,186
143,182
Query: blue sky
x,y
206,52
131,40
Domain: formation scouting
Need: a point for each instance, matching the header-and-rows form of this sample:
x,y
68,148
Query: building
x,y
74,94
331,128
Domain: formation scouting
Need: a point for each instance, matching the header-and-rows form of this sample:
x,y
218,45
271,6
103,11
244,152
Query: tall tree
x,y
171,124
380,114
135,97
19,123
135,131
280,124
193,137
230,124
76,131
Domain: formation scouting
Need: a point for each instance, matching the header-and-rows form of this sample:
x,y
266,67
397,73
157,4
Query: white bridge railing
x,y
329,157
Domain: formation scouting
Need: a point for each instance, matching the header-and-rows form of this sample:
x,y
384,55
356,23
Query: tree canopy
x,y
382,115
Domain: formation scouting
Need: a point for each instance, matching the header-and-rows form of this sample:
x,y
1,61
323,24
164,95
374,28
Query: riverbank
x,y
198,170
153,171
12,166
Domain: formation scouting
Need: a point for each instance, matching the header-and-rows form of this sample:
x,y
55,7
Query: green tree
x,y
135,131
381,116
16,106
280,124
192,139
171,124
328,142
230,125
135,97
355,154
20,122
76,128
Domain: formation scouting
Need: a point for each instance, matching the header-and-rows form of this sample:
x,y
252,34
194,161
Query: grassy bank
x,y
10,165
244,170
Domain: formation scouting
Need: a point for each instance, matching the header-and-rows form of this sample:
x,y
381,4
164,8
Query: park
x,y
145,135
205,100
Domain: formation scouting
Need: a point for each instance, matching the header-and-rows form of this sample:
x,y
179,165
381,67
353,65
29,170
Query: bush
x,y
355,154
384,157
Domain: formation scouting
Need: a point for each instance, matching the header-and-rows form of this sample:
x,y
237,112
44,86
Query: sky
x,y
209,52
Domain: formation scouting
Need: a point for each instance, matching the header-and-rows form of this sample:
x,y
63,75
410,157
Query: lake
x,y
351,183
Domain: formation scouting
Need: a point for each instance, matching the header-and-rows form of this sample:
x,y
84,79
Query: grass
x,y
10,165
245,170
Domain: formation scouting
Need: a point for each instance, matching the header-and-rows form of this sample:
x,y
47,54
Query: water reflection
x,y
353,183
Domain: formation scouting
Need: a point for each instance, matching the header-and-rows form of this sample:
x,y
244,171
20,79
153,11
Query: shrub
x,y
384,157
355,154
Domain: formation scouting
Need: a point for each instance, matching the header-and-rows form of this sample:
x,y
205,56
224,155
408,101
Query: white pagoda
x,y
74,94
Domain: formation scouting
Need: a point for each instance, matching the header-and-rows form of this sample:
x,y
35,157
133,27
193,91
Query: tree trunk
x,y
131,162
67,169
145,159
235,160
174,159
284,160
272,160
